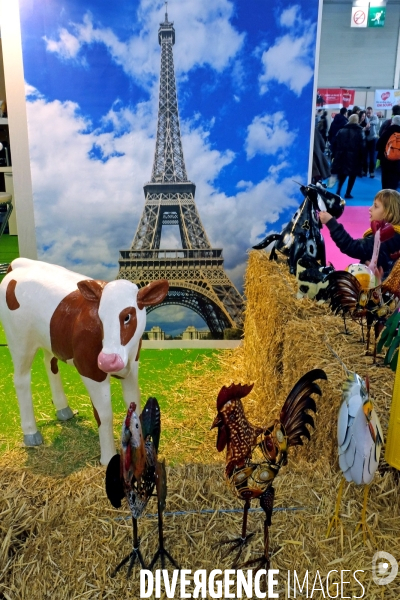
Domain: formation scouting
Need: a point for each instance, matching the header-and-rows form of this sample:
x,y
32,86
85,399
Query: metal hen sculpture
x,y
360,440
136,472
254,455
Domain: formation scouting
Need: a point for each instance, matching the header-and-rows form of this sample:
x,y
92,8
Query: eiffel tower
x,y
196,271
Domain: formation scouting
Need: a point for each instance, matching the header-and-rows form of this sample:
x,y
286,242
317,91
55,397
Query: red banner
x,y
334,97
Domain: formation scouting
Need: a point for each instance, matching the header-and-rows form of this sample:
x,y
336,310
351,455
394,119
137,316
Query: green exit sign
x,y
376,16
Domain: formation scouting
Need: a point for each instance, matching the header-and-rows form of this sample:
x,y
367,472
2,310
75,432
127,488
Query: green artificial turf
x,y
8,249
72,444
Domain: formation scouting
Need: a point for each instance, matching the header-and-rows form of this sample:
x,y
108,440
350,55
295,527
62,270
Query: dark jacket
x,y
384,126
338,123
363,248
320,165
323,127
392,166
348,147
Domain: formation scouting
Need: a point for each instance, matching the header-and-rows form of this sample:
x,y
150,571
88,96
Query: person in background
x,y
318,115
386,206
364,123
320,165
371,136
362,118
323,125
354,111
388,122
339,121
348,148
390,169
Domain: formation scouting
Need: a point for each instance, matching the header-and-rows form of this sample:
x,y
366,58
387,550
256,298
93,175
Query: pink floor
x,y
355,220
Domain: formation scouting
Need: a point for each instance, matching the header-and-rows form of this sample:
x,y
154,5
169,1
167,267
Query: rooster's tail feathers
x,y
151,421
293,416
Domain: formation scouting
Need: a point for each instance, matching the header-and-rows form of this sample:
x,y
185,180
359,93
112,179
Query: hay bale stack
x,y
73,538
285,337
269,306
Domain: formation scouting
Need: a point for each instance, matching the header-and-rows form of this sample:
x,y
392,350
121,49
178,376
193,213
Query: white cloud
x,y
204,37
290,60
67,46
289,15
87,210
268,134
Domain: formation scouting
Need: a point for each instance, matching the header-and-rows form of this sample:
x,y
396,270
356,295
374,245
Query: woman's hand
x,y
324,217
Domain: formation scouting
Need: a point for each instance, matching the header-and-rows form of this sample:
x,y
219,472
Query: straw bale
x,y
61,539
285,337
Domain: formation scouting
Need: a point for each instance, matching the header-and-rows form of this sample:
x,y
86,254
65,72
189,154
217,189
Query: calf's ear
x,y
91,289
153,293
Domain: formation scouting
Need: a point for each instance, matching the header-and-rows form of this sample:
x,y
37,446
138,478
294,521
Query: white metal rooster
x,y
360,440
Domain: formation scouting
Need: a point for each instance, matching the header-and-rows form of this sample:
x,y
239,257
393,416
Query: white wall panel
x,y
357,57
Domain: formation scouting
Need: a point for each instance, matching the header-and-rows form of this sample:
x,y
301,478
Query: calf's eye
x,y
127,319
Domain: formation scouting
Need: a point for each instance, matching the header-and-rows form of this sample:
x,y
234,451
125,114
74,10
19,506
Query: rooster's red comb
x,y
131,410
233,391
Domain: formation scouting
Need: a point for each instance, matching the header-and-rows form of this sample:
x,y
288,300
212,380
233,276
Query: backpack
x,y
392,148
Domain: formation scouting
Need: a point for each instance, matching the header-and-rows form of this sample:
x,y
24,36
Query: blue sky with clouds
x,y
244,77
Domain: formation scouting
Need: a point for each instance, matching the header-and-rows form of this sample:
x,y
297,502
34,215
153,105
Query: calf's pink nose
x,y
109,363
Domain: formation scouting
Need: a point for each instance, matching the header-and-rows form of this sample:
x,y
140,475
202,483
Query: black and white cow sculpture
x,y
302,235
313,280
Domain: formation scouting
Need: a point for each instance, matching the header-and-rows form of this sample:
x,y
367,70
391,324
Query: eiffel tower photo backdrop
x,y
92,72
196,271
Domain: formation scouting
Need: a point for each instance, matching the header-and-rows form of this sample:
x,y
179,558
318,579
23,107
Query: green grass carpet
x,y
72,444
8,248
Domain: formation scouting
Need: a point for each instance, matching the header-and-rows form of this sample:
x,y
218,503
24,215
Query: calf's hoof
x,y
33,439
65,414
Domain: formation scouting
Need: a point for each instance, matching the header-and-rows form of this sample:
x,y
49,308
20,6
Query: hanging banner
x,y
386,99
334,97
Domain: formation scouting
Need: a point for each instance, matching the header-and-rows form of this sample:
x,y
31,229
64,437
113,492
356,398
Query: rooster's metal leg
x,y
345,332
363,521
368,338
267,504
241,541
379,325
135,554
336,519
162,552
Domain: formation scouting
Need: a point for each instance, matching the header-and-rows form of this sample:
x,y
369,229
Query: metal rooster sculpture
x,y
136,472
360,440
254,455
390,336
302,237
362,301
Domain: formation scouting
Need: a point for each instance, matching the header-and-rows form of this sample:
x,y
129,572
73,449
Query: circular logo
x,y
359,17
384,568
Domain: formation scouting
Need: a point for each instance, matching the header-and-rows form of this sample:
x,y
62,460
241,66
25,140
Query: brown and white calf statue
x,y
95,325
